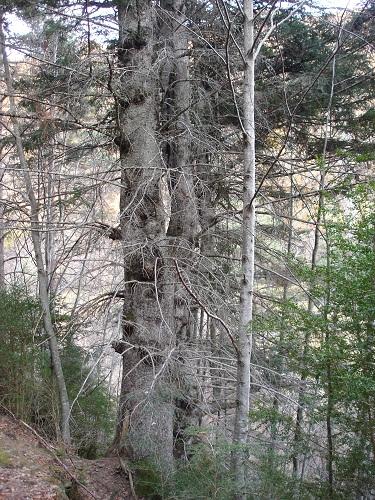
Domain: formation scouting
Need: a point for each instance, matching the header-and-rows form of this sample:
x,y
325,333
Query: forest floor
x,y
33,469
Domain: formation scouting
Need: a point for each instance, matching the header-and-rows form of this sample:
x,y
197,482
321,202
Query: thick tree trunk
x,y
184,218
184,213
36,239
241,425
145,429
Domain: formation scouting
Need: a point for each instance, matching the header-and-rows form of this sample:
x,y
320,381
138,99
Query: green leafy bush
x,y
205,474
21,358
27,386
93,411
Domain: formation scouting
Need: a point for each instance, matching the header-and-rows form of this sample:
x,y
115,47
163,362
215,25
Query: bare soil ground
x,y
32,469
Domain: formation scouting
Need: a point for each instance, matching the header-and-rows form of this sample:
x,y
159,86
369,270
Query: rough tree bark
x,y
184,218
145,429
36,239
184,222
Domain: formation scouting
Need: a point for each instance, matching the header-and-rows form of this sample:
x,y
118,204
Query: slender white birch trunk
x,y
245,337
36,239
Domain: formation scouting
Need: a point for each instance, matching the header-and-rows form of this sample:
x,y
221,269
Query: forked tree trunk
x,y
245,337
36,239
156,225
184,219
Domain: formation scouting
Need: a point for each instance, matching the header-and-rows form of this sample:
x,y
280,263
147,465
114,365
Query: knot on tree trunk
x,y
119,346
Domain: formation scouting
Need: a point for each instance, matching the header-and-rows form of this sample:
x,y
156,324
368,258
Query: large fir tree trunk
x,y
159,220
145,429
184,219
184,214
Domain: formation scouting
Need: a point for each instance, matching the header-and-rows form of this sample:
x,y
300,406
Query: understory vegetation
x,y
27,388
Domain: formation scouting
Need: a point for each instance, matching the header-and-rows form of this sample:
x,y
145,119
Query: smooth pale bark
x,y
36,239
245,337
145,426
49,250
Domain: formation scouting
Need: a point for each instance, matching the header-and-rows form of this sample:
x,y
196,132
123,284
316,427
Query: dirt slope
x,y
30,471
